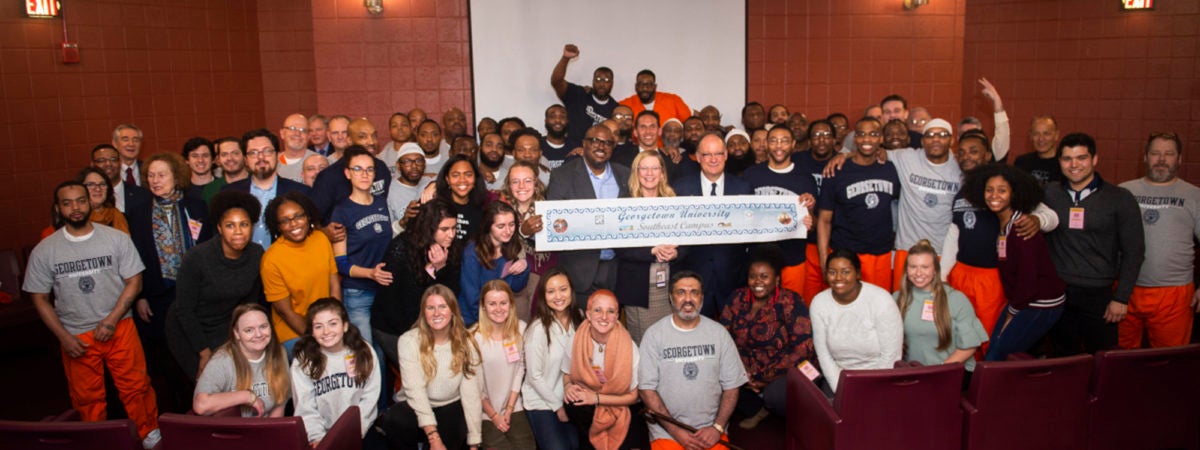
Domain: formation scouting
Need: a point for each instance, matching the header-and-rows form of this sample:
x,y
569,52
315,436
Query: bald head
x,y
711,117
454,124
601,295
362,132
711,154
294,134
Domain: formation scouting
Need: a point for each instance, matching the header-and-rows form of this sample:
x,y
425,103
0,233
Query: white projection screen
x,y
696,48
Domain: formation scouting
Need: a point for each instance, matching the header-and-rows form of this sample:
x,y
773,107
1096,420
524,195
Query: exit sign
x,y
1134,5
42,9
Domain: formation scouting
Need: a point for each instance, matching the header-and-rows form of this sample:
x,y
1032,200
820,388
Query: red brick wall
x,y
1115,75
289,82
825,56
176,70
414,54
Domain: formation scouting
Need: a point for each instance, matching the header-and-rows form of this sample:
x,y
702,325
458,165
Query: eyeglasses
x,y
622,116
359,170
868,134
937,134
601,79
822,134
294,219
267,152
599,142
297,129
918,121
707,155
650,169
95,185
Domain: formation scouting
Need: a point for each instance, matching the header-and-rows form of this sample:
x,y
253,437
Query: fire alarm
x,y
70,53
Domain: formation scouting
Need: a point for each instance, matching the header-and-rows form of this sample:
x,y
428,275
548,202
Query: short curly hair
x,y
1026,193
226,201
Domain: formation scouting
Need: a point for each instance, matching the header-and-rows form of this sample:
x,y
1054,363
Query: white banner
x,y
645,222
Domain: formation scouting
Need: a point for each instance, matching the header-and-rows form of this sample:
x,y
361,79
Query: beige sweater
x,y
423,395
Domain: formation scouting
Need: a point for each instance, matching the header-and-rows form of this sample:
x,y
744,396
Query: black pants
x,y
1082,328
635,437
399,426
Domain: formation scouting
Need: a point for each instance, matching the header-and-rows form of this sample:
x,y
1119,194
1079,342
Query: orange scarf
x,y
610,424
111,217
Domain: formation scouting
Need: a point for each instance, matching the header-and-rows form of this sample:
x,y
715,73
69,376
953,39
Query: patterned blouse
x,y
772,340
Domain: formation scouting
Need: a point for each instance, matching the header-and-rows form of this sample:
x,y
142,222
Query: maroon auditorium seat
x,y
69,435
1034,404
907,408
1147,398
186,432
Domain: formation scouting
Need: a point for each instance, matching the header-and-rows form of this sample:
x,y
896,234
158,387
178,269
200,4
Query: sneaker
x,y
752,421
151,439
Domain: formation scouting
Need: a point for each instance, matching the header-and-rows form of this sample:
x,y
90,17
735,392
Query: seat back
x,y
108,434
909,408
184,432
1146,399
1046,399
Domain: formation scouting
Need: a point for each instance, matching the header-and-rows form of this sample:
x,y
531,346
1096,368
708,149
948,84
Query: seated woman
x,y
498,335
1035,293
214,278
940,326
439,405
856,325
331,352
494,254
424,254
249,370
770,326
299,267
600,376
547,342
643,271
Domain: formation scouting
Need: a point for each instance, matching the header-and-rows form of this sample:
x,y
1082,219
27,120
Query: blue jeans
x,y
551,434
1024,330
358,304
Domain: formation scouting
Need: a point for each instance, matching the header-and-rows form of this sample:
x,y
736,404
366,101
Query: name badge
x,y
511,352
1076,220
599,374
660,276
808,370
350,365
1002,247
194,227
927,311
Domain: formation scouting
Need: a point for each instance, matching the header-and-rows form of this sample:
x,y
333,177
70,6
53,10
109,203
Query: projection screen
x,y
697,49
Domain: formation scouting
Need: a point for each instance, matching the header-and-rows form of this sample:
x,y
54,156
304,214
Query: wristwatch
x,y
719,427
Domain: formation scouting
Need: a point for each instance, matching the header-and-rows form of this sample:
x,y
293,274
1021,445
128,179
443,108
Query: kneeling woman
x,y
331,352
1031,284
600,376
439,362
855,325
249,370
940,326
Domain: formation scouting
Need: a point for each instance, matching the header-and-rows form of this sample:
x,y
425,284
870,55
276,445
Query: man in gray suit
x,y
590,177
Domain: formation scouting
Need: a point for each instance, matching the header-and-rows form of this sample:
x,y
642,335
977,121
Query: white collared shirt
x,y
706,185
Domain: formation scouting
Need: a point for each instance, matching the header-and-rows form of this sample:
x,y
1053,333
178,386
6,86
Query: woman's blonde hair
x,y
941,306
279,381
511,328
635,187
464,349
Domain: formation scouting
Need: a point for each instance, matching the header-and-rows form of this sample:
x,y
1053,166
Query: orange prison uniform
x,y
1165,313
982,287
877,269
127,363
899,268
668,106
814,279
668,444
298,273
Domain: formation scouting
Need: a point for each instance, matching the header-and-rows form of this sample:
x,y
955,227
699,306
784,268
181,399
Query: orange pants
x,y
668,444
982,287
899,268
1165,313
877,270
814,279
792,277
123,356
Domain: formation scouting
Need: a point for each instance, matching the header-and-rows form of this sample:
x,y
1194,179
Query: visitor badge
x,y
507,270
927,311
1002,247
1076,220
194,227
660,276
350,365
808,370
511,352
599,374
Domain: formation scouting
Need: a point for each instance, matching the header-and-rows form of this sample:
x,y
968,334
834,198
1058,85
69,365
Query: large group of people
x,y
315,268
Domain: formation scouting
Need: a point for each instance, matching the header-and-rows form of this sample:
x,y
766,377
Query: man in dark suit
x,y
720,265
264,184
126,196
590,177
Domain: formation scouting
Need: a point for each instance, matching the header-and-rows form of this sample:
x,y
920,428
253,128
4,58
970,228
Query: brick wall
x,y
825,56
175,69
289,83
1115,75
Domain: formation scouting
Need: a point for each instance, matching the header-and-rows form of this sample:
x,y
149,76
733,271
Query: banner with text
x,y
645,222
